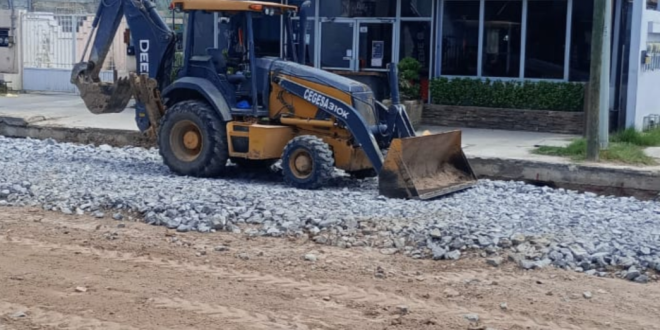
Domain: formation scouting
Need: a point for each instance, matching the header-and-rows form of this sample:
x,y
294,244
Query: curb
x,y
19,121
95,136
640,183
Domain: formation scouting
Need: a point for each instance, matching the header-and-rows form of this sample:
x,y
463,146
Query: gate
x,y
53,43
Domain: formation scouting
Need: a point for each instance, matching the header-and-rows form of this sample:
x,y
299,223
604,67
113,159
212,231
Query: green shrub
x,y
643,139
409,87
557,96
618,152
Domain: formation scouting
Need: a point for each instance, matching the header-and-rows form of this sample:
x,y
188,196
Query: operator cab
x,y
232,62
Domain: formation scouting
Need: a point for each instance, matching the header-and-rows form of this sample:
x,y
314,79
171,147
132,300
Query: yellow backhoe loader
x,y
226,103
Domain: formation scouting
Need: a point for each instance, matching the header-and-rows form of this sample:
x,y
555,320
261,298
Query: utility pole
x,y
597,80
604,136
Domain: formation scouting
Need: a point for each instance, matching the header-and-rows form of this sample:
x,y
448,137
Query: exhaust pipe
x,y
302,32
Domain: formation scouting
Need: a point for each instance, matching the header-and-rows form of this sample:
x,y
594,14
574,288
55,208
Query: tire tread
x,y
216,162
323,158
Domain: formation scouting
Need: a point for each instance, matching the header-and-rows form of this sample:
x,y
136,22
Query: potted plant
x,y
409,88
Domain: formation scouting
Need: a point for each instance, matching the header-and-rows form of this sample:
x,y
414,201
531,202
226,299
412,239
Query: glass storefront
x,y
375,45
515,39
501,41
358,8
460,38
360,37
546,48
337,45
416,8
415,42
497,39
580,60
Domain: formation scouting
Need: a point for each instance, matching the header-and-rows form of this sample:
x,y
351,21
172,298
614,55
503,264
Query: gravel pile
x,y
503,221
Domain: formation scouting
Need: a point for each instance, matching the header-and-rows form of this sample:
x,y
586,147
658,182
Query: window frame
x,y
399,12
431,40
523,43
397,33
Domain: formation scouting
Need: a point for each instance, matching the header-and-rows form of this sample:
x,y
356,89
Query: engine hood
x,y
312,74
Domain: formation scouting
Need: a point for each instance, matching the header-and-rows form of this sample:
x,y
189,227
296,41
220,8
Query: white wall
x,y
49,43
10,65
43,44
644,86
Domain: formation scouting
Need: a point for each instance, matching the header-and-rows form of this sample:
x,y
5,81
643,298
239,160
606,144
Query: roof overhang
x,y
230,5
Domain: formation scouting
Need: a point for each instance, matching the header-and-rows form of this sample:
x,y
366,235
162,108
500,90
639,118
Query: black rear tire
x,y
193,140
307,162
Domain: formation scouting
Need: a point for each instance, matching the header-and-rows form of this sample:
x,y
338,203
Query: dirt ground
x,y
76,272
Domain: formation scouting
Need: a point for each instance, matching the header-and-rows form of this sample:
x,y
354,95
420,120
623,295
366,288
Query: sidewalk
x,y
496,154
64,117
487,143
61,110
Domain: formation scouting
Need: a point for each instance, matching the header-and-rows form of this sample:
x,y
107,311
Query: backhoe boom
x,y
153,42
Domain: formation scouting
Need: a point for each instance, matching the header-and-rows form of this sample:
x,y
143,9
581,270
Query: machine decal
x,y
144,56
324,103
344,113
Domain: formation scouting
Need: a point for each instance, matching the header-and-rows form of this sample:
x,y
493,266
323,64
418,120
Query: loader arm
x,y
344,113
154,44
395,122
422,167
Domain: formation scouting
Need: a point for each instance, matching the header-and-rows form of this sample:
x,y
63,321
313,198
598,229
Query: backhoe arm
x,y
154,47
106,22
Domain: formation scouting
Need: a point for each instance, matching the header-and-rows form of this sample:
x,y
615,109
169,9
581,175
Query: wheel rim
x,y
301,164
186,140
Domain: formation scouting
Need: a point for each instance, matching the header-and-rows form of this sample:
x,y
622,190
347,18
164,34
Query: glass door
x,y
375,44
357,44
337,45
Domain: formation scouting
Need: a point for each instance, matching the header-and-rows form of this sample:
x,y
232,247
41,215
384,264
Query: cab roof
x,y
230,5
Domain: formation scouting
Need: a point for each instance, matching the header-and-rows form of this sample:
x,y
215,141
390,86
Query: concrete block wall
x,y
507,119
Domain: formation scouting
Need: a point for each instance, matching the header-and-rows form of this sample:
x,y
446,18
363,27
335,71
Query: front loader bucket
x,y
104,97
425,167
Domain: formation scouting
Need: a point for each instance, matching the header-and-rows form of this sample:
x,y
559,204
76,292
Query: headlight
x,y
363,103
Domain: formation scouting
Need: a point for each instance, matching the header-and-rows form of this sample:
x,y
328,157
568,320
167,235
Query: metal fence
x,y
53,34
49,41
53,43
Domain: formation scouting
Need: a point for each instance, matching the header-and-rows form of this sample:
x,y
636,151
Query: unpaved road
x,y
145,277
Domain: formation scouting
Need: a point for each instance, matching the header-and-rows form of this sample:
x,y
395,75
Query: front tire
x,y
307,162
193,140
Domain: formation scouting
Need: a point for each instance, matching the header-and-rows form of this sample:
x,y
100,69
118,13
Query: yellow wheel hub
x,y
191,140
301,164
186,140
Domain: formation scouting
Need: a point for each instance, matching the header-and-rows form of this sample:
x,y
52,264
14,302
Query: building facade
x,y
523,40
641,70
495,39
520,40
